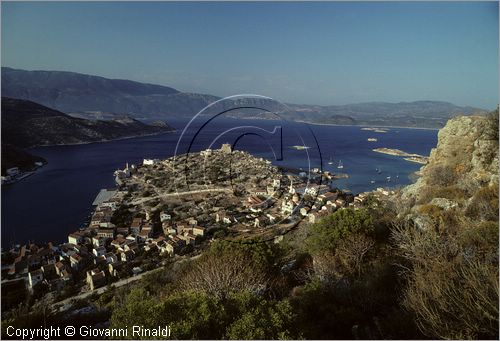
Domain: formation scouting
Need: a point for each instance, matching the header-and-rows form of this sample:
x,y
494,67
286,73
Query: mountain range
x,y
87,96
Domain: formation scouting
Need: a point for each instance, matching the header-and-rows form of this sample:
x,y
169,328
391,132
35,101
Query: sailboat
x,y
330,162
340,166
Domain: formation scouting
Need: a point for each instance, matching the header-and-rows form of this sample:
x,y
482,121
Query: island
x,y
407,156
376,130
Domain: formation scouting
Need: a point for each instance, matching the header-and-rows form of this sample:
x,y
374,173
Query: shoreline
x,y
24,175
101,141
333,124
366,126
416,158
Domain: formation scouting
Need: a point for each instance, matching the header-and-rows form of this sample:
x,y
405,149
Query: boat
x,y
300,147
330,162
372,181
340,166
388,179
378,170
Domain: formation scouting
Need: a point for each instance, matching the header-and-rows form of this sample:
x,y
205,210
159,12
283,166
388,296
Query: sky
x,y
308,52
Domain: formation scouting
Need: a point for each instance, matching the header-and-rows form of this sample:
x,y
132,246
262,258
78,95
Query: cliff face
x,y
461,176
466,156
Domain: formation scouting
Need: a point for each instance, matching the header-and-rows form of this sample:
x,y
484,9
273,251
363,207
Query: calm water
x,y
57,199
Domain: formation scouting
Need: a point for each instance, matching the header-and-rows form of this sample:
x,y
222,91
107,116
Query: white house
x,y
206,152
150,162
199,231
13,171
99,251
165,216
35,277
287,206
75,238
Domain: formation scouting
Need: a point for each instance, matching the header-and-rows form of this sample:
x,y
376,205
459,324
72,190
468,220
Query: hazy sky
x,y
314,53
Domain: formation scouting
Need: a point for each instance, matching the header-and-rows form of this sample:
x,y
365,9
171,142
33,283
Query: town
x,y
172,209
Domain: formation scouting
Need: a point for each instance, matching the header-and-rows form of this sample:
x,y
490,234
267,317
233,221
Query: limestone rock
x,y
443,203
465,145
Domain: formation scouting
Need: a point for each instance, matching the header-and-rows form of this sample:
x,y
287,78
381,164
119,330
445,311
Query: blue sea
x,y
57,199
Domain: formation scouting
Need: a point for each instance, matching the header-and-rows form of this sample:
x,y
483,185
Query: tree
x,y
258,318
352,250
328,232
229,267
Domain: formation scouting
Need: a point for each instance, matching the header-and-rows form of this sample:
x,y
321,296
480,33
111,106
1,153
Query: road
x,y
176,194
66,303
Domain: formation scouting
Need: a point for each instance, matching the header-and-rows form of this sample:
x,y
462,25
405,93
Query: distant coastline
x,y
102,141
331,124
366,126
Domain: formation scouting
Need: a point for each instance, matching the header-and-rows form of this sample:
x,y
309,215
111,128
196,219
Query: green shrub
x,y
326,234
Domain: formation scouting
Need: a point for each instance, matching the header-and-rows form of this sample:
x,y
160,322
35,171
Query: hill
x,y
28,124
76,93
73,92
16,157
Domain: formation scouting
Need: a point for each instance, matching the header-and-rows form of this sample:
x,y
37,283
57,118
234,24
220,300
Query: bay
x,y
57,199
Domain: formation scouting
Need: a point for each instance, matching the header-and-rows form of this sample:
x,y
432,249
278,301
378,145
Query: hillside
x,y
74,92
447,233
16,157
71,92
27,124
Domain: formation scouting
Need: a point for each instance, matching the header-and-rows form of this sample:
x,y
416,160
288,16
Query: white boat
x,y
388,179
372,181
330,162
340,166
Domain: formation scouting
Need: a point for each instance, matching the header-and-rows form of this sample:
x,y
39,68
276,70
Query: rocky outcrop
x,y
466,156
461,178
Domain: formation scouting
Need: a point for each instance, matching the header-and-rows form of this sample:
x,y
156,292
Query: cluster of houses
x,y
102,249
47,263
309,200
380,194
